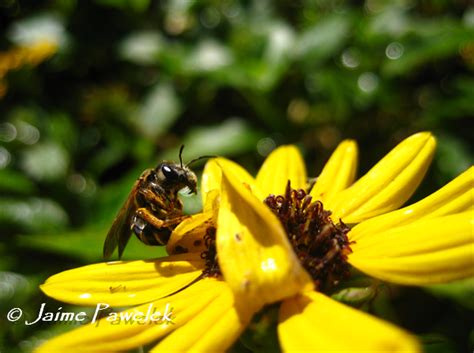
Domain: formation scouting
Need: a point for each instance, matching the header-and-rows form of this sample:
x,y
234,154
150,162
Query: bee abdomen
x,y
148,234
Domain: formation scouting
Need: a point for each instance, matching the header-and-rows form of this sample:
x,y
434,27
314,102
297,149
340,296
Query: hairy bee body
x,y
169,207
152,209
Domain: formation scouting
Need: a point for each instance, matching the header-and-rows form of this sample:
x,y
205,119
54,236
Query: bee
x,y
152,209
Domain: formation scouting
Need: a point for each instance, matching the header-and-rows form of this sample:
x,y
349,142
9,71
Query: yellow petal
x,y
188,236
455,197
433,250
254,254
211,177
127,331
214,329
338,173
283,164
212,201
388,184
315,323
123,283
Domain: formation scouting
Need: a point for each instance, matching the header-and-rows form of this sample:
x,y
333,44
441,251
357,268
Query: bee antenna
x,y
181,155
197,159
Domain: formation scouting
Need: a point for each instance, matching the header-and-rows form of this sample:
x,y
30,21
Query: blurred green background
x,y
93,92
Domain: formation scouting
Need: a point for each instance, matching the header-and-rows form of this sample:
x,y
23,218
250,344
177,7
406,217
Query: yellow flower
x,y
285,250
21,56
203,308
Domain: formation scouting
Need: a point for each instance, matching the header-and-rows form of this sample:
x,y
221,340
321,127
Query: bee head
x,y
174,176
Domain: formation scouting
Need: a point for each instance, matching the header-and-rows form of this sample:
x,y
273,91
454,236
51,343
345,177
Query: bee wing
x,y
120,232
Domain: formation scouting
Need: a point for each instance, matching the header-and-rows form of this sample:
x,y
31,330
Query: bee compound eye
x,y
168,172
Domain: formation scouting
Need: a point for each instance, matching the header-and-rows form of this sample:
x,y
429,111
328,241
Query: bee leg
x,y
174,221
171,214
150,218
153,198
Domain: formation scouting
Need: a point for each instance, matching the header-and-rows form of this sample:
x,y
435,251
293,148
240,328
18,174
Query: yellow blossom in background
x,y
25,55
266,232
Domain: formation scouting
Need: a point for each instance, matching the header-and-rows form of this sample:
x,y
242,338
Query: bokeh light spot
x,y
368,82
394,51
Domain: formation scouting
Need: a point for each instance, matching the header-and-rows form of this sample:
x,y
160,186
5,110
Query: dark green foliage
x,y
132,80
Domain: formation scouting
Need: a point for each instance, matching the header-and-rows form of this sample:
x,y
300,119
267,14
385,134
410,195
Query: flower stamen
x,y
210,254
320,245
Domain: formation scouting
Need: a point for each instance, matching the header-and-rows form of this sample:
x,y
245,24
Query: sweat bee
x,y
152,209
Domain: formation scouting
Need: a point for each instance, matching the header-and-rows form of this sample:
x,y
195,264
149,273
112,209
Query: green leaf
x,y
45,161
141,48
32,30
33,214
436,343
207,56
453,156
86,245
14,289
457,105
159,111
231,137
444,41
136,5
459,291
261,334
61,130
14,182
324,39
355,295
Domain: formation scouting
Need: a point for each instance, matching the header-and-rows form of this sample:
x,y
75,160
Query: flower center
x,y
209,256
320,245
